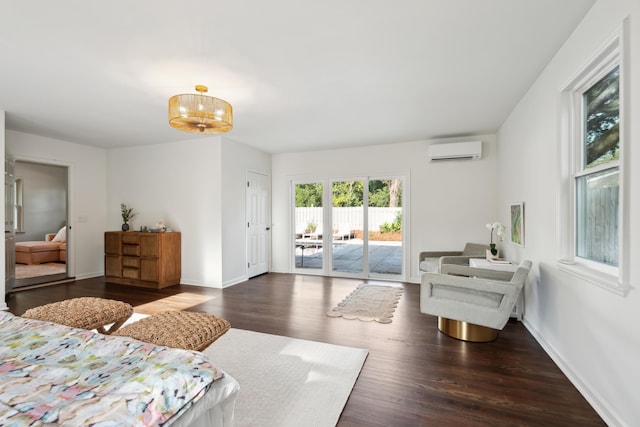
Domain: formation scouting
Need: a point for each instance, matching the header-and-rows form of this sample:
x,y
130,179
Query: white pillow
x,y
61,236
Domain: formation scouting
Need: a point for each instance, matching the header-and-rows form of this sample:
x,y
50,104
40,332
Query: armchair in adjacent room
x,y
431,261
472,304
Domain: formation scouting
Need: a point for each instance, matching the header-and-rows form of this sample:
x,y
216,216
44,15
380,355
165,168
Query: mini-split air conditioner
x,y
470,150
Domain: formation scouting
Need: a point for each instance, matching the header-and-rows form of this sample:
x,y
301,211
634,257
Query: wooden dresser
x,y
150,260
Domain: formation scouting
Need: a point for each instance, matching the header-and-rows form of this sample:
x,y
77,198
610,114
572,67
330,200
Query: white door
x,y
258,225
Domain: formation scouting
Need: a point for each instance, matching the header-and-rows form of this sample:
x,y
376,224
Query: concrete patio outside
x,y
384,257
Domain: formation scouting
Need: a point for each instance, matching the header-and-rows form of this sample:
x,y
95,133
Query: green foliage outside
x,y
382,193
309,195
347,194
378,194
394,227
385,193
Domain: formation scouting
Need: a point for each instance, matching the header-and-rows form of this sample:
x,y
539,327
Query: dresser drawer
x,y
112,265
129,261
131,250
130,238
131,273
112,244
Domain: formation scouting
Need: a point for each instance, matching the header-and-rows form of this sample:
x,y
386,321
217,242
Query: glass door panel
x,y
385,251
308,234
347,227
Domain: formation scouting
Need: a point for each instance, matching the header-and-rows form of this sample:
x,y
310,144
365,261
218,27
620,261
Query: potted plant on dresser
x,y
127,215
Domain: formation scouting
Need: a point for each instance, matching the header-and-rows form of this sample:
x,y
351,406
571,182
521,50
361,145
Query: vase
x,y
491,256
125,227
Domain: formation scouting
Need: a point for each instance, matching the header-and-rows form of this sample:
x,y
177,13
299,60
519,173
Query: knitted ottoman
x,y
178,329
85,313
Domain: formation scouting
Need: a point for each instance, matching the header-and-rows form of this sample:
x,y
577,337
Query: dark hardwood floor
x,y
413,376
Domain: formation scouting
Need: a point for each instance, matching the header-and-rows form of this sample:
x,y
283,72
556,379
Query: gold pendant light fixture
x,y
200,113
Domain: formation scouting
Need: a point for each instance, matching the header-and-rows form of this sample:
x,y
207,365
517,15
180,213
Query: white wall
x,y
590,332
179,183
189,186
182,183
449,202
238,160
87,188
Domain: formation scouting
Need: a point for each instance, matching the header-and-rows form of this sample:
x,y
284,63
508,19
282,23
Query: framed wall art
x,y
517,223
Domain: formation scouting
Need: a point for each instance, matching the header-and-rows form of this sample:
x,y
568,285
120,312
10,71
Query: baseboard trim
x,y
596,401
42,285
88,276
235,281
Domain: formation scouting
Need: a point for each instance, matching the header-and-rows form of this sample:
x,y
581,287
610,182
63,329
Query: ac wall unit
x,y
471,150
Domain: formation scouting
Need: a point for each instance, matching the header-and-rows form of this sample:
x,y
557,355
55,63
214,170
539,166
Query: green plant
x,y
311,227
394,227
127,213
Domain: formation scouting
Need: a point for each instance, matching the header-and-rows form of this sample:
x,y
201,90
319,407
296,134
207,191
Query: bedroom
x,y
187,181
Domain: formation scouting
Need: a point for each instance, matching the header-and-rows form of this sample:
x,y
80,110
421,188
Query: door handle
x,y
268,228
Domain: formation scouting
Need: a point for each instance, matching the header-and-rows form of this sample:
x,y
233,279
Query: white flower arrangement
x,y
499,229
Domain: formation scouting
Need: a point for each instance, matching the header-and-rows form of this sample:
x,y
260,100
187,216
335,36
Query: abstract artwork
x,y
517,223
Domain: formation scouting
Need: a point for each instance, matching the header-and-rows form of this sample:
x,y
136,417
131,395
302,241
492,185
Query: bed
x,y
52,374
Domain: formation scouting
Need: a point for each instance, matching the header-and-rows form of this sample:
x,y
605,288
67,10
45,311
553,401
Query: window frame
x,y
18,207
571,166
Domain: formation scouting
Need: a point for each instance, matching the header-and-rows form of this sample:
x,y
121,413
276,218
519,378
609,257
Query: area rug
x,y
24,271
287,381
369,302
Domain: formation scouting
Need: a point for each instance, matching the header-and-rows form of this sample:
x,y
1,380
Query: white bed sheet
x,y
215,409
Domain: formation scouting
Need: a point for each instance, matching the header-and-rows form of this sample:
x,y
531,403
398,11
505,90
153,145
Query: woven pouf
x,y
85,313
178,329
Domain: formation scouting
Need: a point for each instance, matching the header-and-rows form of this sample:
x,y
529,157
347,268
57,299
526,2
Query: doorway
x,y
40,212
363,219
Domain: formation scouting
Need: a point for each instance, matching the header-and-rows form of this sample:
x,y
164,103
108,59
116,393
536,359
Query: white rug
x,y
287,381
369,302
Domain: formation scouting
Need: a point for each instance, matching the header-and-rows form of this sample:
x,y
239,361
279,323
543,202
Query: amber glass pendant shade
x,y
199,113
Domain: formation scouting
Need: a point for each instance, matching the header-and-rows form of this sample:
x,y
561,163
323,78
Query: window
x,y
592,176
597,181
18,209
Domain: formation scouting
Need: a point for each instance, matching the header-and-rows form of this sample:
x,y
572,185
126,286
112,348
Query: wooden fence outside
x,y
345,218
599,240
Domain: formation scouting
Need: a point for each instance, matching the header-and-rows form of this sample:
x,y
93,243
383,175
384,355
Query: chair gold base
x,y
466,331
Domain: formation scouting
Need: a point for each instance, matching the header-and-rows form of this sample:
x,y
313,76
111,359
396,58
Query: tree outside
x,y
602,115
309,195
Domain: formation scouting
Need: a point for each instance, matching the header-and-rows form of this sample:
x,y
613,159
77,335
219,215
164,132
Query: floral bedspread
x,y
55,375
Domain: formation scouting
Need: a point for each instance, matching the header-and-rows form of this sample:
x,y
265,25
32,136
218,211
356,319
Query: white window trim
x,y
613,279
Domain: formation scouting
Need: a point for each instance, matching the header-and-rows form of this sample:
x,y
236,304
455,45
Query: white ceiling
x,y
300,74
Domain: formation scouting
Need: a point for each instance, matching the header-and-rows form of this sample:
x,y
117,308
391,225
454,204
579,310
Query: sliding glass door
x,y
360,229
308,221
347,219
385,236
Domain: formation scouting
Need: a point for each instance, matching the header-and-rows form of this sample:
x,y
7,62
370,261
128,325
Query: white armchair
x,y
472,304
431,261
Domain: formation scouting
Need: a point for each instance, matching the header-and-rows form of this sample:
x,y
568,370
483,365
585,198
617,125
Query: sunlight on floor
x,y
180,301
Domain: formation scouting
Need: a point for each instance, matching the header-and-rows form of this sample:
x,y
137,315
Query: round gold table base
x,y
466,331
